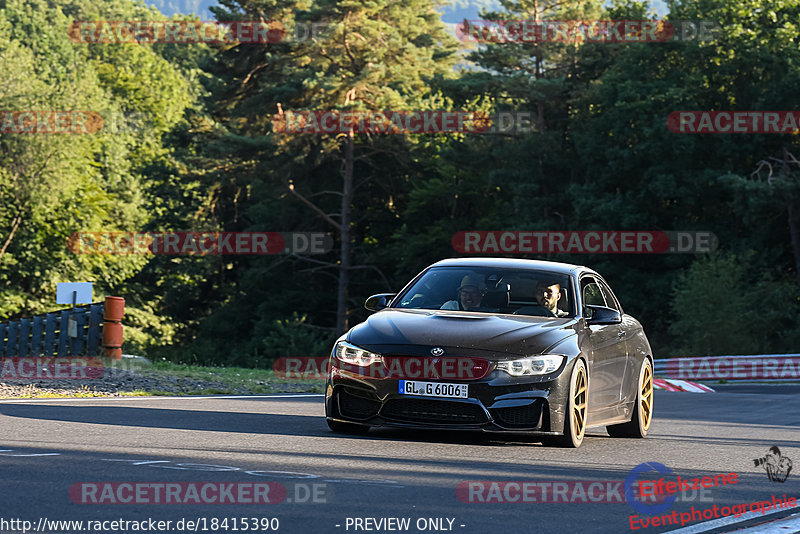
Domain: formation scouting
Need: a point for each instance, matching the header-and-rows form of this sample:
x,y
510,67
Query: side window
x,y
565,304
592,295
611,299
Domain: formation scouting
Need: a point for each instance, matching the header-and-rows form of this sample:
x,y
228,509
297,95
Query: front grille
x,y
430,411
357,406
435,368
519,416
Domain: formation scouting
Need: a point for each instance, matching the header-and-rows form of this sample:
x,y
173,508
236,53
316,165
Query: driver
x,y
547,295
469,295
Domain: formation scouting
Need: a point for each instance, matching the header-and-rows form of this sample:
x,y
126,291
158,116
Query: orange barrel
x,y
114,309
112,335
115,354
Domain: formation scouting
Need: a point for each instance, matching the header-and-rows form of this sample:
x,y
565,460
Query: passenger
x,y
469,295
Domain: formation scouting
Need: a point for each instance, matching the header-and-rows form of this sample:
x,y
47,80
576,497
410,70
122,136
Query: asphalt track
x,y
49,446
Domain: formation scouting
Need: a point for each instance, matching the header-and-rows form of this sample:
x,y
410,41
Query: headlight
x,y
534,365
347,353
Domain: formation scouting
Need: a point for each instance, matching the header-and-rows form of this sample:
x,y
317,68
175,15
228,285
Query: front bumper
x,y
496,403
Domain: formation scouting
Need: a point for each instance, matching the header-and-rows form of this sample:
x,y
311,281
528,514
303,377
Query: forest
x,y
192,136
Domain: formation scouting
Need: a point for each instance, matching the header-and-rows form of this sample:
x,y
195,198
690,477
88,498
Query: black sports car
x,y
497,345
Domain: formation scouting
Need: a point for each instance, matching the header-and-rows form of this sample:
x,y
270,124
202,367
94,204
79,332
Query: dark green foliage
x,y
202,156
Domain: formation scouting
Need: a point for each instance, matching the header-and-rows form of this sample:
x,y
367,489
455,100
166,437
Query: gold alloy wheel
x,y
579,404
646,405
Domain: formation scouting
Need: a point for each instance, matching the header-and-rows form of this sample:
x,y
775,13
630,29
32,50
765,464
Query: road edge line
x,y
727,521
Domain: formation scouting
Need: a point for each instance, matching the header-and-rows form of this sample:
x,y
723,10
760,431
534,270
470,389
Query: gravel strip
x,y
117,382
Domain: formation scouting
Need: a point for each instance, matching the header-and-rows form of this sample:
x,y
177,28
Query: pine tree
x,y
372,56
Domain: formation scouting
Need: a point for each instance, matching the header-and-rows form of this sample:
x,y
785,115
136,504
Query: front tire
x,y
347,428
642,415
575,415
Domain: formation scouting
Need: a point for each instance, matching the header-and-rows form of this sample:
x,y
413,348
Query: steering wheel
x,y
538,311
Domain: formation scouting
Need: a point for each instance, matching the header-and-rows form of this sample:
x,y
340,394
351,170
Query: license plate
x,y
434,389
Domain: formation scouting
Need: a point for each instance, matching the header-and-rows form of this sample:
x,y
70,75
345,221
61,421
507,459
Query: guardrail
x,y
91,330
740,368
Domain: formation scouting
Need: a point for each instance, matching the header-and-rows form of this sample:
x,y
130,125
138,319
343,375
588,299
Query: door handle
x,y
620,333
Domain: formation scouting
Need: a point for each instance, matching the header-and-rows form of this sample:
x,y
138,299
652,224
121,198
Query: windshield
x,y
490,290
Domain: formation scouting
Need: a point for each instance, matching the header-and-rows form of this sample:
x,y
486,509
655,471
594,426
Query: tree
x,y
713,315
53,185
783,189
374,56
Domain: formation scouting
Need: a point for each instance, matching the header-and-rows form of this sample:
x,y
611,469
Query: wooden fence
x,y
73,332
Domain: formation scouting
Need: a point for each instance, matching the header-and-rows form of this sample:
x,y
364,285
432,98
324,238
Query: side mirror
x,y
602,315
379,301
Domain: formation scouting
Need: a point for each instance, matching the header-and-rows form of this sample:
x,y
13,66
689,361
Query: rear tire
x,y
575,414
642,415
347,428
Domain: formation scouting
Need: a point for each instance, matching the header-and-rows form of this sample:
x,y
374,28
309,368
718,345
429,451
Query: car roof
x,y
514,263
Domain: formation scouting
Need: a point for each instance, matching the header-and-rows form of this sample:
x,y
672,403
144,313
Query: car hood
x,y
417,331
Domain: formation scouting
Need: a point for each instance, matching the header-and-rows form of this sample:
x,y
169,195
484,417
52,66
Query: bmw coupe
x,y
495,345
